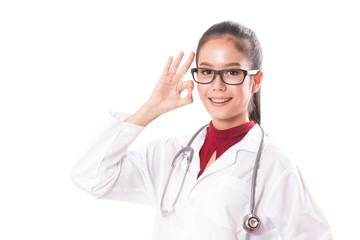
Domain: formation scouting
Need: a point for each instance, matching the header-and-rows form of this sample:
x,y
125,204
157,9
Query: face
x,y
227,104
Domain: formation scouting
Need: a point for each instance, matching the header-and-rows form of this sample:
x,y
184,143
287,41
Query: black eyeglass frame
x,y
246,73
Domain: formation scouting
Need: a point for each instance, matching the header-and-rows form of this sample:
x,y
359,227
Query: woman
x,y
215,195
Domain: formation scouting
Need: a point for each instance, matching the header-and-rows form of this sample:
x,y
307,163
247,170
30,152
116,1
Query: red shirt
x,y
220,141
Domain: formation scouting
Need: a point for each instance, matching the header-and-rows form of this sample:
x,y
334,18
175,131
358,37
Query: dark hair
x,y
248,43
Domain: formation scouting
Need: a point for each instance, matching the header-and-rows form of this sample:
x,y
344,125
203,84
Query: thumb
x,y
185,100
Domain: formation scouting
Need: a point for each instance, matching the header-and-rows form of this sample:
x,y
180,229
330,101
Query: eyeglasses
x,y
228,76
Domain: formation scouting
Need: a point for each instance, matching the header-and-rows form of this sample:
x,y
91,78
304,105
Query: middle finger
x,y
176,63
187,64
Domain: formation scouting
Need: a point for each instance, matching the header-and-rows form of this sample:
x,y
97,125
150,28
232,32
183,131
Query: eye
x,y
232,72
207,72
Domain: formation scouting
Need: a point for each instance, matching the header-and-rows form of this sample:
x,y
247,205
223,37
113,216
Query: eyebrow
x,y
205,64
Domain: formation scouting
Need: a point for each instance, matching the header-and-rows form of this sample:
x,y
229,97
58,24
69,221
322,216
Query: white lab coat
x,y
212,206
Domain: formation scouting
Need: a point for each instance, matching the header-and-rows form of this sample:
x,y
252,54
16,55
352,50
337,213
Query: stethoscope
x,y
251,222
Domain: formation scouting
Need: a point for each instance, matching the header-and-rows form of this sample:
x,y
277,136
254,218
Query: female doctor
x,y
214,196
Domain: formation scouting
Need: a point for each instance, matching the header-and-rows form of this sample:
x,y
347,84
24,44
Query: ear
x,y
257,82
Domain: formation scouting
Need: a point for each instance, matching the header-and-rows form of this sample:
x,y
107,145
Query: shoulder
x,y
168,145
194,139
276,157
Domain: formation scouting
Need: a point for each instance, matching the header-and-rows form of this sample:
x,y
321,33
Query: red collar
x,y
220,141
233,132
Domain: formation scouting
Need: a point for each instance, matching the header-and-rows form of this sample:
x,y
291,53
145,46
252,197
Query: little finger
x,y
167,66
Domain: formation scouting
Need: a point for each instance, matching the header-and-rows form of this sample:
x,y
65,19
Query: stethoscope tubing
x,y
251,222
183,150
255,170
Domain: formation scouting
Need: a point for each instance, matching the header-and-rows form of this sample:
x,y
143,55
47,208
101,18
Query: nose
x,y
218,84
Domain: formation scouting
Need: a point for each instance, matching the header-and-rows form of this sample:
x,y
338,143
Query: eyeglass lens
x,y
231,76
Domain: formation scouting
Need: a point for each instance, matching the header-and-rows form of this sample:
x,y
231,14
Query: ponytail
x,y
255,108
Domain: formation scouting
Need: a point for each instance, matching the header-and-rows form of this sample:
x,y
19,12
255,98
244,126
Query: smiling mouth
x,y
220,100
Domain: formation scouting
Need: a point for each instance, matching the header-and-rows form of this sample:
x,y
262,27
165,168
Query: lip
x,y
219,101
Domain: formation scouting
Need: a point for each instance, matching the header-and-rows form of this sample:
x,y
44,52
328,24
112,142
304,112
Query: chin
x,y
224,117
229,117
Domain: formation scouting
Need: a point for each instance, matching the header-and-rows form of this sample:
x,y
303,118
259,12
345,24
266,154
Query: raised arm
x,y
106,168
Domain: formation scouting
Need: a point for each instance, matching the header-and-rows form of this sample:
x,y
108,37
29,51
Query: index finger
x,y
185,67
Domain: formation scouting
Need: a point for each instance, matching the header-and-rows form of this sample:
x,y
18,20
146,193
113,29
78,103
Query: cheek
x,y
202,90
242,94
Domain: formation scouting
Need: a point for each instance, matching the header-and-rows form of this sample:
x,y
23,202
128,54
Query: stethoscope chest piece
x,y
251,223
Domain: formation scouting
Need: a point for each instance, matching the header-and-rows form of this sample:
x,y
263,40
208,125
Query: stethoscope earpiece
x,y
251,223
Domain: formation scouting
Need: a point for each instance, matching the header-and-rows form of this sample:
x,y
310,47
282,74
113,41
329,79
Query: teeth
x,y
220,100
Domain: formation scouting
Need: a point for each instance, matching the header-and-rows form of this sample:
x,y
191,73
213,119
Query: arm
x,y
98,168
106,168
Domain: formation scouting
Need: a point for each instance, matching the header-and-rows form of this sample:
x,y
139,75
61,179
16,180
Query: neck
x,y
222,124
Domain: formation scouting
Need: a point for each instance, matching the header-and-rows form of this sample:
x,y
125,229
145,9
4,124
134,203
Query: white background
x,y
65,64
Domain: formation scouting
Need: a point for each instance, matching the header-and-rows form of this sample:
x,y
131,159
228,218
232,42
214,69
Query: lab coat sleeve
x,y
293,211
107,170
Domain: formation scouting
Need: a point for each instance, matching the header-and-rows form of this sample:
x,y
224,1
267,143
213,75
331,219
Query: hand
x,y
166,94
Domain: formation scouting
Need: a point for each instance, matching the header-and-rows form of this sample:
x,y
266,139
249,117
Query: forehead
x,y
219,51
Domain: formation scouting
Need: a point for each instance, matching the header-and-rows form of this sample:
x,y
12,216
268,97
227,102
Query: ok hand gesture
x,y
166,94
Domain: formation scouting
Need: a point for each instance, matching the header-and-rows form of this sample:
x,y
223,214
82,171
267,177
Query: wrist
x,y
145,115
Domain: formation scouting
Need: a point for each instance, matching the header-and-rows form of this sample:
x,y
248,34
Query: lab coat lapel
x,y
223,161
